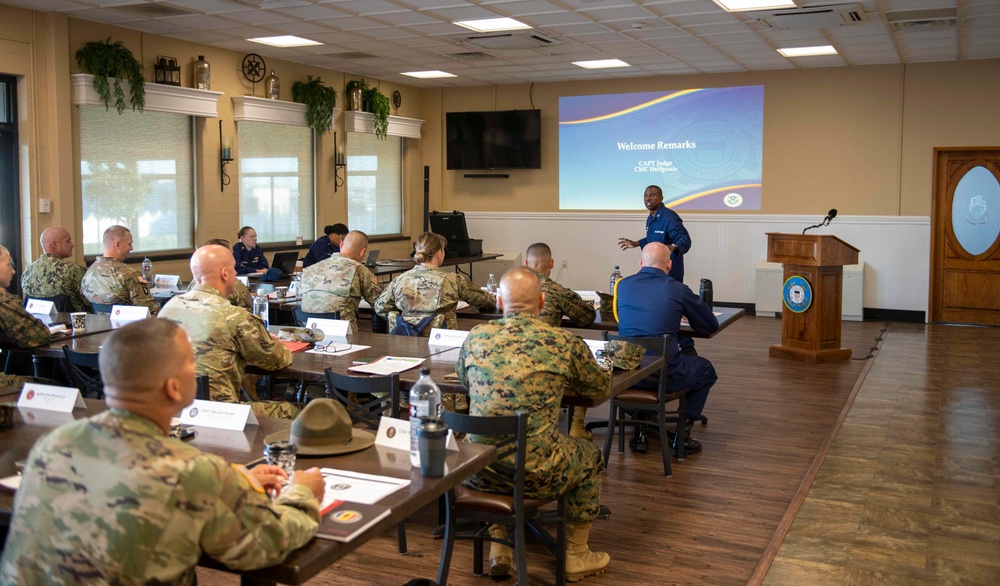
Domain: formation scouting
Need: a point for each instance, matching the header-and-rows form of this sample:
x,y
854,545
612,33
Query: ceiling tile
x,y
100,15
208,6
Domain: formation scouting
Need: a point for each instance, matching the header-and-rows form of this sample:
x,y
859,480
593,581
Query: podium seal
x,y
797,294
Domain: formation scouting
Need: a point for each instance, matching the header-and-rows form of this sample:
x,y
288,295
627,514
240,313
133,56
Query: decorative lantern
x,y
167,71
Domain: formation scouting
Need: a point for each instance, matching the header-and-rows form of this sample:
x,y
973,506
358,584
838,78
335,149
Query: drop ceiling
x,y
381,39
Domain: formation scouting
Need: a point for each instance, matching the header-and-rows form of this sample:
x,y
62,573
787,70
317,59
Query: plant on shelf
x,y
104,59
319,99
378,104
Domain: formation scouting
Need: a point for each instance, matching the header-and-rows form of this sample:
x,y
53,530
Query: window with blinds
x,y
374,184
277,194
137,170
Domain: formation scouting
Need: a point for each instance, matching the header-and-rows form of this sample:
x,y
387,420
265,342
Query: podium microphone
x,y
826,221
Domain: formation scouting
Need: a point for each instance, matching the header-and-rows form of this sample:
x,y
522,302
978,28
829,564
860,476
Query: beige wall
x,y
855,138
859,139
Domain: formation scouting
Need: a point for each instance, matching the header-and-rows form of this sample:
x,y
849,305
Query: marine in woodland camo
x,y
519,363
50,276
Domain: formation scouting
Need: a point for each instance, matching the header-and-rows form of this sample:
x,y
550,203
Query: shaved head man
x,y
226,338
135,506
338,283
520,363
54,273
16,325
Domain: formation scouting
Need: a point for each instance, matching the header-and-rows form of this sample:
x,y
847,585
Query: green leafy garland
x,y
319,100
104,59
379,105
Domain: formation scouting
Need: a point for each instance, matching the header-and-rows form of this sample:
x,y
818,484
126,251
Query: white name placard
x,y
447,338
39,306
231,416
50,398
166,281
596,345
129,312
395,433
332,328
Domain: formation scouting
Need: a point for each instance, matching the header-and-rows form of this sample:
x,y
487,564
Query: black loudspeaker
x,y
427,194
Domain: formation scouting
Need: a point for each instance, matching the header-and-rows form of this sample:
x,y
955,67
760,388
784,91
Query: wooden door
x,y
965,236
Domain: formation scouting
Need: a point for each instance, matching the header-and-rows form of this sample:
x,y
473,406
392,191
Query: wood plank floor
x,y
710,522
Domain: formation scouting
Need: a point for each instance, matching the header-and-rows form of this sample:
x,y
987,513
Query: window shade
x,y
374,184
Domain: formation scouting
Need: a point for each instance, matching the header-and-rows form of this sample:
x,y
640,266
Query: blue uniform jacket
x,y
249,260
650,303
319,251
667,227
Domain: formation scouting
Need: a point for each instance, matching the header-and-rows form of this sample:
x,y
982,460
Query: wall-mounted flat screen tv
x,y
506,139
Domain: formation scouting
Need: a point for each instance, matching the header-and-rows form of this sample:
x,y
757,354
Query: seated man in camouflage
x,y
520,363
109,280
339,282
112,500
226,338
17,326
560,301
241,296
54,273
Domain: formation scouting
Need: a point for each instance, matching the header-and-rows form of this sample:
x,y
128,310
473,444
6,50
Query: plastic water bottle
x,y
425,401
491,285
616,276
147,269
260,307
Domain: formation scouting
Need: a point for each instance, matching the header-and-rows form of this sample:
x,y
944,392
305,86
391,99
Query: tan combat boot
x,y
501,556
580,561
577,427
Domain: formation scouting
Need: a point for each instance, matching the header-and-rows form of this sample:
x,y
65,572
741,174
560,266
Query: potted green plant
x,y
378,104
319,99
104,59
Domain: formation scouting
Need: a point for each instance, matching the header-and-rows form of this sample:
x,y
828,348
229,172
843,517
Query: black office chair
x,y
384,400
203,393
647,400
384,391
102,307
303,317
60,302
81,368
510,510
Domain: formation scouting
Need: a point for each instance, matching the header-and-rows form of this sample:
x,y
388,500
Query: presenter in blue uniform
x,y
664,225
652,303
249,256
326,245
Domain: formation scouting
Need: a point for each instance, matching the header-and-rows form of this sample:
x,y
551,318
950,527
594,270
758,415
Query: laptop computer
x,y
372,259
285,261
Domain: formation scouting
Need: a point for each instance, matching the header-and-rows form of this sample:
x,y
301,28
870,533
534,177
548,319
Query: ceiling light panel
x,y
490,25
284,41
745,5
808,51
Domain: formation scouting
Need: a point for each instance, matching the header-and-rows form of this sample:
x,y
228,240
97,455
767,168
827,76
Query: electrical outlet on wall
x,y
45,206
565,264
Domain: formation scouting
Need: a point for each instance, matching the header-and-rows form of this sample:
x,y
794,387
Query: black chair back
x,y
60,302
384,392
303,317
81,368
203,393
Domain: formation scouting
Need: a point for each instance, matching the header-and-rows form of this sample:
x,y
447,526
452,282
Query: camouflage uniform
x,y
112,500
50,276
240,297
109,280
17,326
338,284
425,291
226,339
560,301
519,363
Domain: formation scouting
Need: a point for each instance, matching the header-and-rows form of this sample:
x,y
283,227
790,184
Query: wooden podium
x,y
811,333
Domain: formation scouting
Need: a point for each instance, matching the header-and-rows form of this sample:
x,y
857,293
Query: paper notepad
x,y
368,489
388,365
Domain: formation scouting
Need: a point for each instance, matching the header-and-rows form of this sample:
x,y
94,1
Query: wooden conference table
x,y
607,323
247,446
441,361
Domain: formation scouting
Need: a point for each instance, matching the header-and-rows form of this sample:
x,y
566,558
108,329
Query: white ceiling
x,y
382,38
